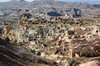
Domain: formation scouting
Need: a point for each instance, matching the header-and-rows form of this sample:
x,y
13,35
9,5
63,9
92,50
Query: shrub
x,y
72,62
7,39
33,51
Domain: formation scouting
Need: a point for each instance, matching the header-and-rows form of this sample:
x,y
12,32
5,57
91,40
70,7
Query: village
x,y
58,38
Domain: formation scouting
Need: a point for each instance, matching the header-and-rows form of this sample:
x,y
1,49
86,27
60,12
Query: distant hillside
x,y
17,4
12,4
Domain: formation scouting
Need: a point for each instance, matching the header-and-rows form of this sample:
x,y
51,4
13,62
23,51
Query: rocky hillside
x,y
56,39
14,56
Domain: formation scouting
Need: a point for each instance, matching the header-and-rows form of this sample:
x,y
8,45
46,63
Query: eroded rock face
x,y
91,63
14,56
85,51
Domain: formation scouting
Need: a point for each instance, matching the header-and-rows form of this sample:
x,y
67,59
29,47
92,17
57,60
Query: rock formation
x,y
15,56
